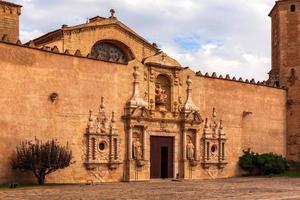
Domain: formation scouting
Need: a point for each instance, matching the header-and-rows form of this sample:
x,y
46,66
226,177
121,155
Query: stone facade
x,y
128,110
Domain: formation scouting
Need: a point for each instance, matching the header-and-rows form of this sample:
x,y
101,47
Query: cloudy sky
x,y
225,36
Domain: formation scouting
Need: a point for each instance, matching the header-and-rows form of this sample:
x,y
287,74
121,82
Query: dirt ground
x,y
233,188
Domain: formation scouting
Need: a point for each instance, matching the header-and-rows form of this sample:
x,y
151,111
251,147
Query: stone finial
x,y
90,115
112,13
206,123
189,105
136,100
214,75
247,81
102,107
67,52
207,74
78,53
55,49
221,124
234,79
227,77
19,42
252,81
214,114
91,121
31,44
240,79
113,119
221,77
101,118
199,73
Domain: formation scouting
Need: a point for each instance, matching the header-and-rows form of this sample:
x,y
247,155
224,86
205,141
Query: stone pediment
x,y
93,23
161,59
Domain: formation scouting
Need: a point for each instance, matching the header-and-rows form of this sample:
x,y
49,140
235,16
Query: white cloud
x,y
29,35
231,37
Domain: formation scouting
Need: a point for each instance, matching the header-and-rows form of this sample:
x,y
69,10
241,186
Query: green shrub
x,y
270,163
262,164
248,161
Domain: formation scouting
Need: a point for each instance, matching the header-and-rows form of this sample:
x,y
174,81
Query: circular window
x,y
213,148
102,146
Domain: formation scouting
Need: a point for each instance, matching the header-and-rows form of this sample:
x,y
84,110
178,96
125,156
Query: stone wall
x,y
254,115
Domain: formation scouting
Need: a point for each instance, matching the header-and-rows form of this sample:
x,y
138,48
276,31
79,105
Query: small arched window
x,y
108,51
293,8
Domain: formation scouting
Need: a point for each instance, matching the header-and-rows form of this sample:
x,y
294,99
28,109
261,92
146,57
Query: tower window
x,y
293,8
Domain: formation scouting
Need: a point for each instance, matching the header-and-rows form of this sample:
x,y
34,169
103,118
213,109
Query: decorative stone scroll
x,y
102,137
213,143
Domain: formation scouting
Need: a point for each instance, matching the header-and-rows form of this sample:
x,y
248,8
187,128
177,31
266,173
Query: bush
x,y
41,158
270,163
262,164
248,161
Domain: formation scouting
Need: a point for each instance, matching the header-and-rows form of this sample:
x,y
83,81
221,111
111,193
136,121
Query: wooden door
x,y
161,157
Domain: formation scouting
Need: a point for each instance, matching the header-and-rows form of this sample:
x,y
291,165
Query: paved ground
x,y
234,188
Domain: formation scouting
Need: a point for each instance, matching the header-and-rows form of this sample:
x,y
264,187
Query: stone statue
x,y
137,150
190,150
160,95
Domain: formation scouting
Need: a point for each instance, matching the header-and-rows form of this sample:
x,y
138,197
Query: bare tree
x,y
41,158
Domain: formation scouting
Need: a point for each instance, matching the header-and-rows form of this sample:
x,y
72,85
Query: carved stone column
x,y
129,147
197,145
184,145
145,149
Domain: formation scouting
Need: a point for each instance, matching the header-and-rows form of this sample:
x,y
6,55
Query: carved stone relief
x,y
213,143
162,93
102,140
108,52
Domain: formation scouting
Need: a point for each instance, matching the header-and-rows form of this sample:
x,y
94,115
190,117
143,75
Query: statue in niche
x,y
137,150
160,95
190,148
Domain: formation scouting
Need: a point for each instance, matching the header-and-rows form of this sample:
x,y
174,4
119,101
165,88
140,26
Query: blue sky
x,y
227,37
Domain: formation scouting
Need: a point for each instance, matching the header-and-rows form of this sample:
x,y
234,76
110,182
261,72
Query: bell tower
x,y
9,20
285,71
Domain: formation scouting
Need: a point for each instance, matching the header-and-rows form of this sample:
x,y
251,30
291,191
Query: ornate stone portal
x,y
179,121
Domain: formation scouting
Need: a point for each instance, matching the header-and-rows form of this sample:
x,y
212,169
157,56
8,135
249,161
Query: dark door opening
x,y
164,162
161,157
